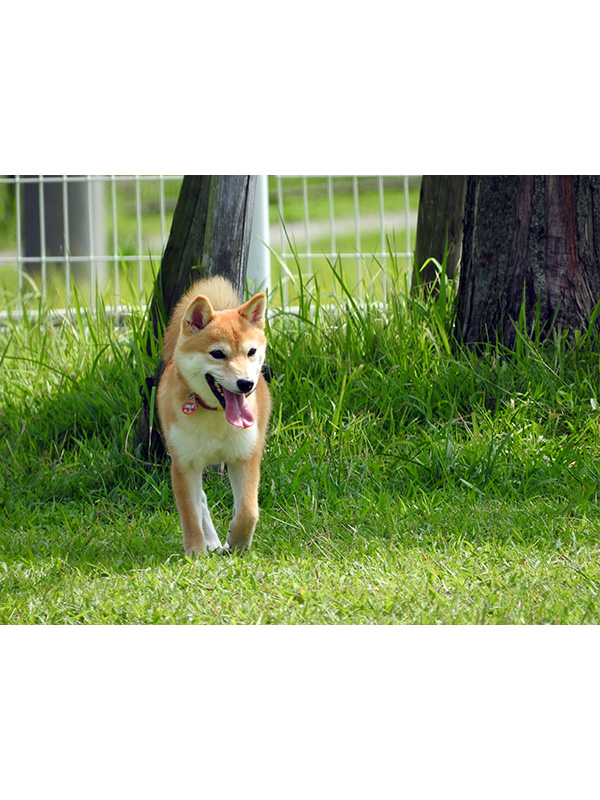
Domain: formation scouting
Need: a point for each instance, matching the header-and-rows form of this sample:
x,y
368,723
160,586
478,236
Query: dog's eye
x,y
218,354
251,352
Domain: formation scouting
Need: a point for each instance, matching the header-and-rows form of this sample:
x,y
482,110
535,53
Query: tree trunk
x,y
531,243
210,235
182,254
228,228
439,226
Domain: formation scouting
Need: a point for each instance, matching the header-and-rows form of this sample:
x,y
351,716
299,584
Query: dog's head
x,y
221,353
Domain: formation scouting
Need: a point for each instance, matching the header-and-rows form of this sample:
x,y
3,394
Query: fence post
x,y
259,257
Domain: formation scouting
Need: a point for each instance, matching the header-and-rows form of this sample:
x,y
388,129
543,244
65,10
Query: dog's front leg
x,y
244,477
198,530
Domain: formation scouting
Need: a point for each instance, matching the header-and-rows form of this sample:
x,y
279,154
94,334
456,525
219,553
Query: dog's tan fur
x,y
210,332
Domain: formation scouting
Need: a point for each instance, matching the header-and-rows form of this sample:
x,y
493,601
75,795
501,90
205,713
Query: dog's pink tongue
x,y
237,410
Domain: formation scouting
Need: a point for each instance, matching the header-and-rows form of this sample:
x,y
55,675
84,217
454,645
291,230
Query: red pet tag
x,y
189,407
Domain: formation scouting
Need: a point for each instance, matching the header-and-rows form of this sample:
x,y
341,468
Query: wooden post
x,y
228,228
210,235
182,254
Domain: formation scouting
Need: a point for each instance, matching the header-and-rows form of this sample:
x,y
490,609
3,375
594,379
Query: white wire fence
x,y
76,239
85,235
365,225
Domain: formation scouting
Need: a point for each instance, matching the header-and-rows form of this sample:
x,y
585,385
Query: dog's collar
x,y
192,401
201,402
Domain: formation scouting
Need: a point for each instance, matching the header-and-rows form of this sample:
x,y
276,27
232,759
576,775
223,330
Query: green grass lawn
x,y
451,561
405,480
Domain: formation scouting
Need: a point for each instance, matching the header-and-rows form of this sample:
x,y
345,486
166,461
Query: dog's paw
x,y
194,553
236,549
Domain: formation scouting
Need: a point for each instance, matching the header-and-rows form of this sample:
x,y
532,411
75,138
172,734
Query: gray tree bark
x,y
210,235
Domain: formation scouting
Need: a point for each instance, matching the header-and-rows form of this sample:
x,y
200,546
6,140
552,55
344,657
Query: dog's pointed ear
x,y
199,313
255,310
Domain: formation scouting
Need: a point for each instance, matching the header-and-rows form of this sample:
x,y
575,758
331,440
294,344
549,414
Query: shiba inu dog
x,y
214,407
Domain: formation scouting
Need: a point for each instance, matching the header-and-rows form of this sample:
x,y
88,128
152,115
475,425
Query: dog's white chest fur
x,y
197,443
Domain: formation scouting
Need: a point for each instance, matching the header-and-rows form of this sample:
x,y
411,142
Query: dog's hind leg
x,y
244,477
210,535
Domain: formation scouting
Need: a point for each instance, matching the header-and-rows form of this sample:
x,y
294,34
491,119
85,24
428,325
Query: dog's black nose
x,y
245,386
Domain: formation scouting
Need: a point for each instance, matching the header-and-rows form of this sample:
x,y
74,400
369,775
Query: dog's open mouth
x,y
216,389
237,410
